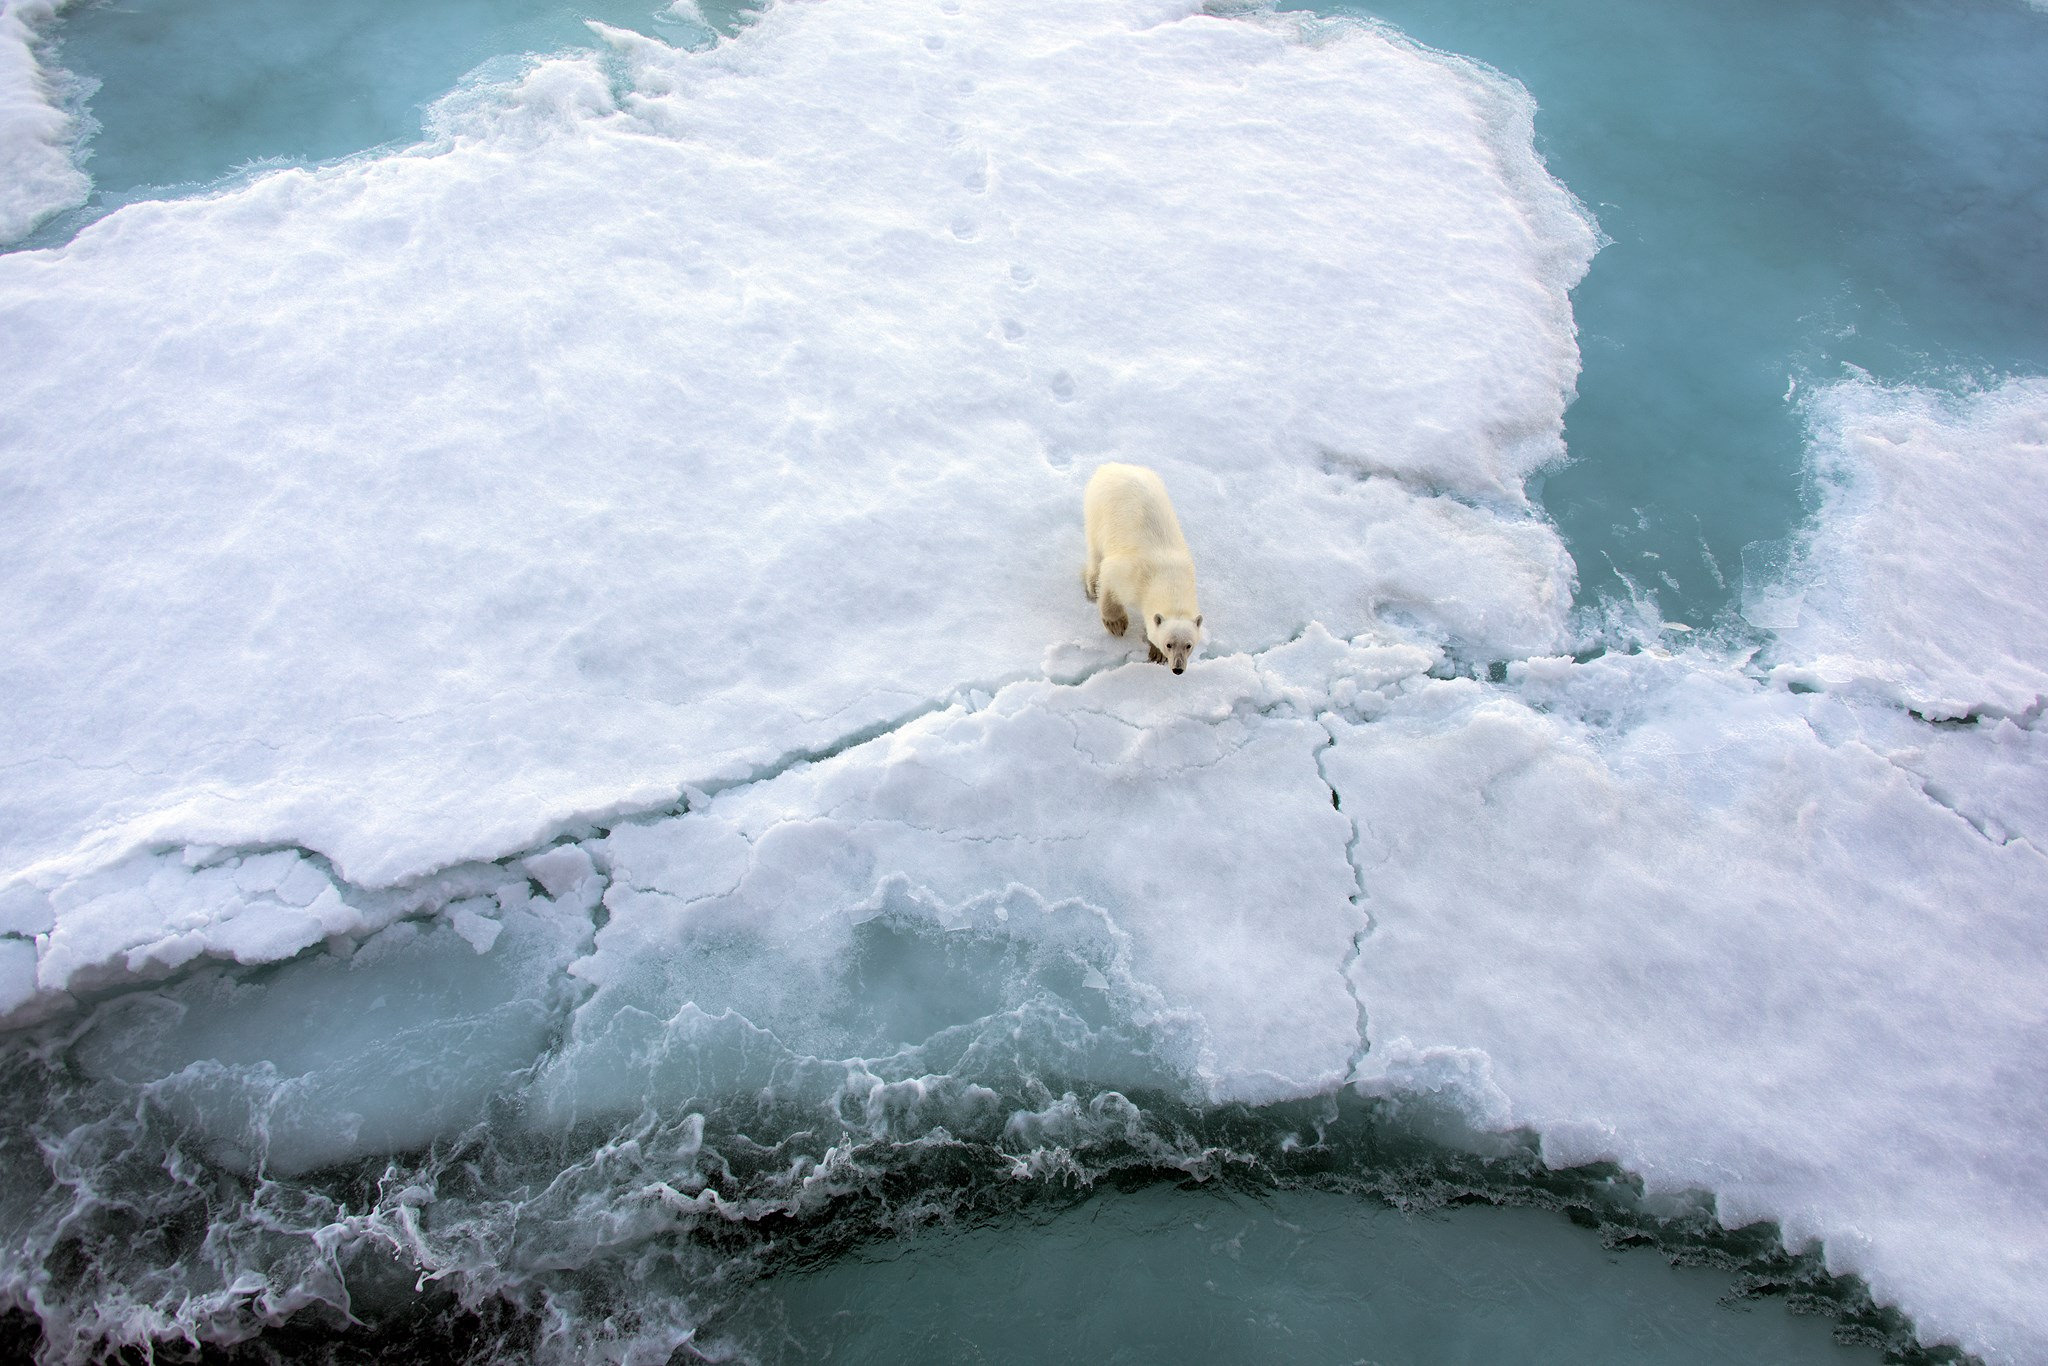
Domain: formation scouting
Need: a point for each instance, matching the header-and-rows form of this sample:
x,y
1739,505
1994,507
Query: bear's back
x,y
1128,512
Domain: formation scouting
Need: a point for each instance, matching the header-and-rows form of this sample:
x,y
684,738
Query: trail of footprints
x,y
975,171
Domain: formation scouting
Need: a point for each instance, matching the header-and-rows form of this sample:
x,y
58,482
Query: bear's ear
x,y
1158,620
1198,622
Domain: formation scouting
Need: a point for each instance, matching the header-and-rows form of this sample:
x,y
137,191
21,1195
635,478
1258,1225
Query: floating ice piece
x,y
1921,582
1772,591
1396,1068
153,914
478,930
37,174
560,870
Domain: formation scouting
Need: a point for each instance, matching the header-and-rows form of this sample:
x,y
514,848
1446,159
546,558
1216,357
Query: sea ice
x,y
743,524
1117,811
1692,936
402,1041
1923,582
318,534
37,174
1778,941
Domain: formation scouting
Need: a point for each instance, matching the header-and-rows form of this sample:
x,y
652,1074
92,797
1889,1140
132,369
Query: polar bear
x,y
1138,561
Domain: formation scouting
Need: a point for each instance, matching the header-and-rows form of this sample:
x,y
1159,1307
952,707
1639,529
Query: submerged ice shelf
x,y
623,702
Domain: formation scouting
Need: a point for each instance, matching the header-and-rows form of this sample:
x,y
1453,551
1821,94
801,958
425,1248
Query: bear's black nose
x,y
1180,669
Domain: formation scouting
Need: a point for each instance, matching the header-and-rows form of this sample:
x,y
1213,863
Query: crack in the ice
x,y
961,837
426,897
1357,898
1932,791
865,735
1361,469
2027,718
1927,787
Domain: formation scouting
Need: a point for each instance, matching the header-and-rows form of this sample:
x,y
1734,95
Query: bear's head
x,y
1173,639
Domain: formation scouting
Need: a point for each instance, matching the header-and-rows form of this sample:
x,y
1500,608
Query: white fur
x,y
1138,562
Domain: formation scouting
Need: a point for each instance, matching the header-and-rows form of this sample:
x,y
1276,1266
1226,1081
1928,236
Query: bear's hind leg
x,y
1091,573
1114,618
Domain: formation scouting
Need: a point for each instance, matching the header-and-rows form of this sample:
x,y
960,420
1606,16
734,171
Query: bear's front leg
x,y
1114,618
1152,655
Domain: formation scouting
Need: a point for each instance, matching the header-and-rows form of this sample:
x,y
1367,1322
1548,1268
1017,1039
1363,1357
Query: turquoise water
x,y
1165,1275
1789,190
182,94
1317,1232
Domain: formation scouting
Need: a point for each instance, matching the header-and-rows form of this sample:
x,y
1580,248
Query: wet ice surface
x,y
520,791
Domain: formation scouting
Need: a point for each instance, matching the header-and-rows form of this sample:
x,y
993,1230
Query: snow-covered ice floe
x,y
681,412
610,576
